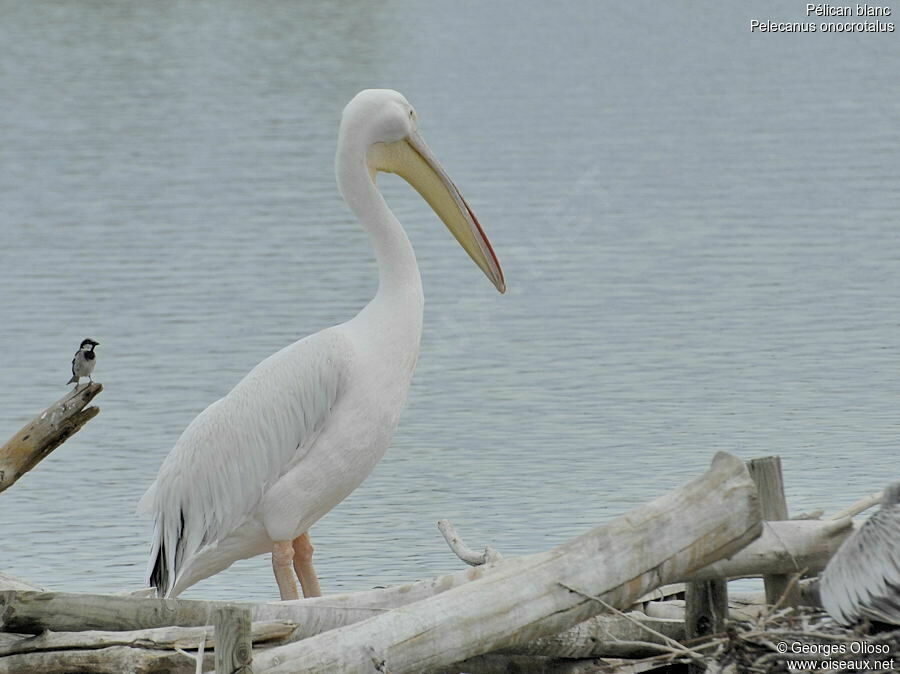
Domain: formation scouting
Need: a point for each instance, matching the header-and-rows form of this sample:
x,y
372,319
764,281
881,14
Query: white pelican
x,y
257,468
862,579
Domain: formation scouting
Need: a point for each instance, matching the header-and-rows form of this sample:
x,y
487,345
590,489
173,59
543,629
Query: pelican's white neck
x,y
398,272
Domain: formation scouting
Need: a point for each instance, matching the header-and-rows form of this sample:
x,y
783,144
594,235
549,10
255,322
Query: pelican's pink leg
x,y
282,556
303,554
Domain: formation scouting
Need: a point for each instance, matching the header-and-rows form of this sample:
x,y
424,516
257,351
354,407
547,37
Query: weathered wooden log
x,y
634,635
32,612
463,551
783,547
705,614
46,432
602,635
706,608
112,660
542,594
672,609
809,596
675,610
158,638
27,612
766,474
492,663
234,649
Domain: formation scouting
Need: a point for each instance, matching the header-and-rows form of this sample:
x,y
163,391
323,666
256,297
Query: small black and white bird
x,y
84,361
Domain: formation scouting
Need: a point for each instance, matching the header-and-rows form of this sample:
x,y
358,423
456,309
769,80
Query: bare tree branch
x,y
46,432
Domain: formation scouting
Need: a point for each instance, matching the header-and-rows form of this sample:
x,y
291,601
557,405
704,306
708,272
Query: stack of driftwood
x,y
603,601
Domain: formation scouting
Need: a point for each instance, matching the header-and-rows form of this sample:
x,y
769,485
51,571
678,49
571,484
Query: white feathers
x,y
308,425
231,453
862,579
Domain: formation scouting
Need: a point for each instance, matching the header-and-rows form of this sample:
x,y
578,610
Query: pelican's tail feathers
x,y
165,558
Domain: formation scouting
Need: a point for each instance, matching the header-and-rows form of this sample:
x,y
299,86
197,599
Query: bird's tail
x,y
73,379
163,566
157,572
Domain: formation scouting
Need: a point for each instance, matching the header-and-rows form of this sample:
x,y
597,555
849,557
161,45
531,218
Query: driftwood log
x,y
46,432
767,475
156,650
157,638
784,547
603,635
110,660
632,635
463,551
543,594
789,547
550,592
234,643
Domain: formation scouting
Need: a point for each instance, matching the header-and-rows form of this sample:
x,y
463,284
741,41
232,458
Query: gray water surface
x,y
698,227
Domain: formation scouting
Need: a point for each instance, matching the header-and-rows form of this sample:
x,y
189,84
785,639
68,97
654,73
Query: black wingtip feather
x,y
159,575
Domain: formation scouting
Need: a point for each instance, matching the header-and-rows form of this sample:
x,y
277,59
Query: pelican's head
x,y
388,126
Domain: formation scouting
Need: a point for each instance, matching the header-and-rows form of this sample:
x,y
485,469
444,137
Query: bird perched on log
x,y
862,579
84,361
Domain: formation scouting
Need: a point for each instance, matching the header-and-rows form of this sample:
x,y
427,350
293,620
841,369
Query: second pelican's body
x,y
862,579
257,468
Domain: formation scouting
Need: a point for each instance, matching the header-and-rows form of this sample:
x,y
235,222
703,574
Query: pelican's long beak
x,y
411,159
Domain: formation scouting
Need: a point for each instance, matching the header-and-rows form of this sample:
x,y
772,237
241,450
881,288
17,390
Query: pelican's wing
x,y
862,579
231,453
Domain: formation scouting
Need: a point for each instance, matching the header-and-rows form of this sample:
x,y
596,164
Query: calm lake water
x,y
698,227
